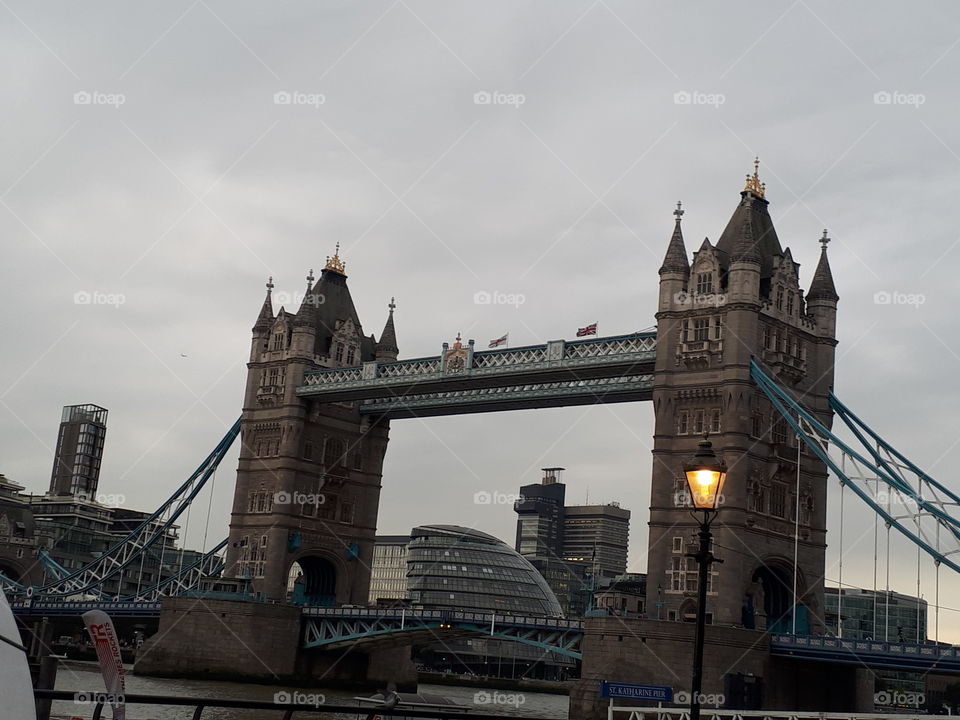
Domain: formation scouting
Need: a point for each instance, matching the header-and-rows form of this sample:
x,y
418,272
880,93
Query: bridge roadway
x,y
341,627
464,380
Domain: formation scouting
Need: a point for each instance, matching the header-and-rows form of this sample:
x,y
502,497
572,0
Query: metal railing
x,y
284,711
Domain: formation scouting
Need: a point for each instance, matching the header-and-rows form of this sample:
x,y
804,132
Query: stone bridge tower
x,y
740,299
308,481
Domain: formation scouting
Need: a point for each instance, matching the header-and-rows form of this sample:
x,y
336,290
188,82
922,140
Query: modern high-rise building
x,y
540,516
596,535
388,571
76,465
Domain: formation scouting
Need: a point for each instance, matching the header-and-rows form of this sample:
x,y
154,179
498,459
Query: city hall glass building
x,y
451,566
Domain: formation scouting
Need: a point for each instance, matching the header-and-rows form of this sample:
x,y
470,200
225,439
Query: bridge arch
x,y
768,599
314,578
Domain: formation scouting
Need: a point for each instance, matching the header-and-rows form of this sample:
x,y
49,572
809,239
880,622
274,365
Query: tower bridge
x,y
741,350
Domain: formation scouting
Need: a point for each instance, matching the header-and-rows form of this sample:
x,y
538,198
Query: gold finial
x,y
269,284
824,240
392,305
457,344
335,263
753,184
678,213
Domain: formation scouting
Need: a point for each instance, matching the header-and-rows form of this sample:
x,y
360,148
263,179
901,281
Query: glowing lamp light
x,y
706,474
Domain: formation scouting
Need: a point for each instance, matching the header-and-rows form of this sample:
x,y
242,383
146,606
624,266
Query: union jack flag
x,y
590,329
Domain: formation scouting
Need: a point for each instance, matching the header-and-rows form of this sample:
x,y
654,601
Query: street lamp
x,y
705,474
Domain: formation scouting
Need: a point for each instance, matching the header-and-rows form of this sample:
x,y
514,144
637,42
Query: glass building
x,y
388,569
460,568
860,614
76,466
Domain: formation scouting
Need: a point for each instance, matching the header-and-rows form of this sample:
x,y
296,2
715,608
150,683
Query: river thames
x,y
85,676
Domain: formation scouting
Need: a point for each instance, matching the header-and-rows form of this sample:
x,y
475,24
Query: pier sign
x,y
654,693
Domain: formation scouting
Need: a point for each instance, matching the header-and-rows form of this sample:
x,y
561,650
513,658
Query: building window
x,y
339,355
756,425
766,338
778,432
351,354
778,500
698,426
715,420
346,512
790,304
274,376
717,328
278,341
704,283
779,298
701,329
683,423
678,544
308,450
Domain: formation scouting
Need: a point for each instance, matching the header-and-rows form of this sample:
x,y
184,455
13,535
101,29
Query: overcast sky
x,y
148,162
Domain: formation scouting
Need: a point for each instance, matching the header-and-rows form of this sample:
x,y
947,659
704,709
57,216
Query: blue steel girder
x,y
335,628
629,388
867,653
555,373
877,474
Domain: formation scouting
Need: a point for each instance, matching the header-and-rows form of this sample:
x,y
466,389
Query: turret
x,y
675,271
387,350
304,340
822,298
261,328
743,277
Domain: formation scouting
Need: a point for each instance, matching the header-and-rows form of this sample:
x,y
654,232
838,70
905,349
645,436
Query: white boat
x,y
16,688
380,706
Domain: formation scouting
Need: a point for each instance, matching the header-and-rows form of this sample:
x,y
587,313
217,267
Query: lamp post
x,y
705,474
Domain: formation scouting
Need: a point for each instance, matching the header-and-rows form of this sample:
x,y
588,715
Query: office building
x,y
76,465
388,571
596,535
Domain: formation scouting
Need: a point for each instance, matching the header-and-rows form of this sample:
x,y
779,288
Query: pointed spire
x,y
676,258
745,248
308,306
387,346
822,287
265,318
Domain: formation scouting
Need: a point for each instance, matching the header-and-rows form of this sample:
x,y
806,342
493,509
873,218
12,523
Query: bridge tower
x,y
308,481
740,299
